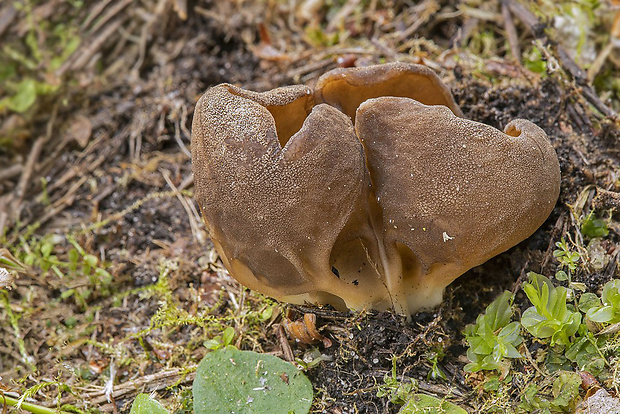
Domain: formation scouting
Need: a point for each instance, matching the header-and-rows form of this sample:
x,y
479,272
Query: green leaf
x,y
511,333
566,390
46,248
611,294
25,97
586,353
229,380
266,313
74,256
593,227
550,316
67,293
561,275
536,324
493,337
422,403
601,314
533,60
144,404
212,343
91,260
479,346
228,336
492,384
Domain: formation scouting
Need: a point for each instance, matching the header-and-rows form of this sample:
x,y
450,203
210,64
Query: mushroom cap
x,y
274,211
453,192
347,88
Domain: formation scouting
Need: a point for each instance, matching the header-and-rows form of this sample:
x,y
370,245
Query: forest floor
x,y
121,286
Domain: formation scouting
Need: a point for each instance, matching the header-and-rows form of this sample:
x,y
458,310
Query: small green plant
x,y
397,391
221,341
564,393
550,316
435,355
39,253
48,254
567,342
493,337
594,227
533,60
585,351
27,68
605,309
311,358
404,393
567,258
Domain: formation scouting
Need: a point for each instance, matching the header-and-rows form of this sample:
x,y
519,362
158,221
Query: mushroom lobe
x,y
453,192
274,212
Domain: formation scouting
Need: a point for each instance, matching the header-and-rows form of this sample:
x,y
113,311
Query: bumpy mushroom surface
x,y
302,206
453,192
274,209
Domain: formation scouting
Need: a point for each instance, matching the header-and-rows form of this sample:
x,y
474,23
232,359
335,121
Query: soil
x,y
124,193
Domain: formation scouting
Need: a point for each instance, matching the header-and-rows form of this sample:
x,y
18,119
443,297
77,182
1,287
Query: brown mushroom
x,y
302,207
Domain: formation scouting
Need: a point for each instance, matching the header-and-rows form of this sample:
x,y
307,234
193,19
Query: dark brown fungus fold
x,y
303,207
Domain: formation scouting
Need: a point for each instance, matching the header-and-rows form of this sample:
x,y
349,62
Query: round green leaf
x,y
611,293
229,380
561,275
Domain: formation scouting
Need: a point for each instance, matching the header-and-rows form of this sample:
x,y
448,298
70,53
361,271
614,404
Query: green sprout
x,y
398,392
550,316
493,337
221,341
567,258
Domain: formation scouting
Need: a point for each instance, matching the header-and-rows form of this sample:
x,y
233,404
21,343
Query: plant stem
x,y
33,408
